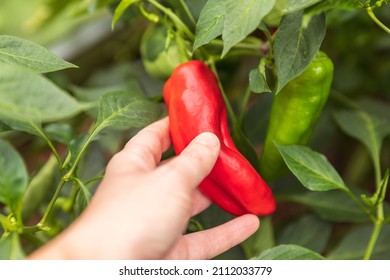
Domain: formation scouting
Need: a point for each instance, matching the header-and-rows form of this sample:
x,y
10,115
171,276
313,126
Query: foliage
x,y
60,121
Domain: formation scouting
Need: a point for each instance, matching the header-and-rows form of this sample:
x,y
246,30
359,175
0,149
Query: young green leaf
x,y
312,169
366,128
241,19
13,177
27,96
354,244
120,9
11,248
258,79
333,206
296,43
210,23
379,196
316,233
289,252
27,54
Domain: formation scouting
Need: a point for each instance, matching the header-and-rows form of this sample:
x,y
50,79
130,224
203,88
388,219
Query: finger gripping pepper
x,y
195,105
295,112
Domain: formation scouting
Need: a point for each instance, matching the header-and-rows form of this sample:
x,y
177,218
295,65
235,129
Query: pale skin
x,y
143,205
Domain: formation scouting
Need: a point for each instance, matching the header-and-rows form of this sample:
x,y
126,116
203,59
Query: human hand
x,y
142,206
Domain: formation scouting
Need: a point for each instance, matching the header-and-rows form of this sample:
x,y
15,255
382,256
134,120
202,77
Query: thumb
x,y
195,162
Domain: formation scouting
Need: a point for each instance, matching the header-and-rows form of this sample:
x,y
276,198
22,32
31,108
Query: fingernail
x,y
208,139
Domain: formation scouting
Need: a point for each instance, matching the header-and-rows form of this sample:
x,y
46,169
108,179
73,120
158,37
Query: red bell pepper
x,y
195,105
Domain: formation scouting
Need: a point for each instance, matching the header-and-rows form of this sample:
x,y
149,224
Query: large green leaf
x,y
235,20
241,19
312,169
122,110
13,177
289,252
27,54
309,232
210,23
354,244
366,128
27,96
334,206
296,43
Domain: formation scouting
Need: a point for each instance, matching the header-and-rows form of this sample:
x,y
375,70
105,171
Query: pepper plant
x,y
79,78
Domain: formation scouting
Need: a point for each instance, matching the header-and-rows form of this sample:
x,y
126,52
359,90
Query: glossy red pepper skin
x,y
195,105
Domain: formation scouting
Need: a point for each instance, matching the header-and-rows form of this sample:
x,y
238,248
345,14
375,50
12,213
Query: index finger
x,y
142,152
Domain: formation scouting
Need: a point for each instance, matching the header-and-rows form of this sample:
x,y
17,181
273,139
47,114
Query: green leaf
x,y
122,110
258,79
333,206
27,54
13,177
10,248
29,126
289,252
354,244
312,169
368,129
28,96
60,132
4,127
210,23
336,4
284,7
120,9
316,233
241,19
296,43
297,5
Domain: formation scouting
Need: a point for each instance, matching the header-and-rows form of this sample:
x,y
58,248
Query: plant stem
x,y
43,221
244,103
379,221
229,108
176,20
374,237
370,12
188,12
69,174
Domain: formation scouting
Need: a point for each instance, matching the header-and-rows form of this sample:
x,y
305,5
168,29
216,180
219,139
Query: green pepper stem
x,y
370,12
